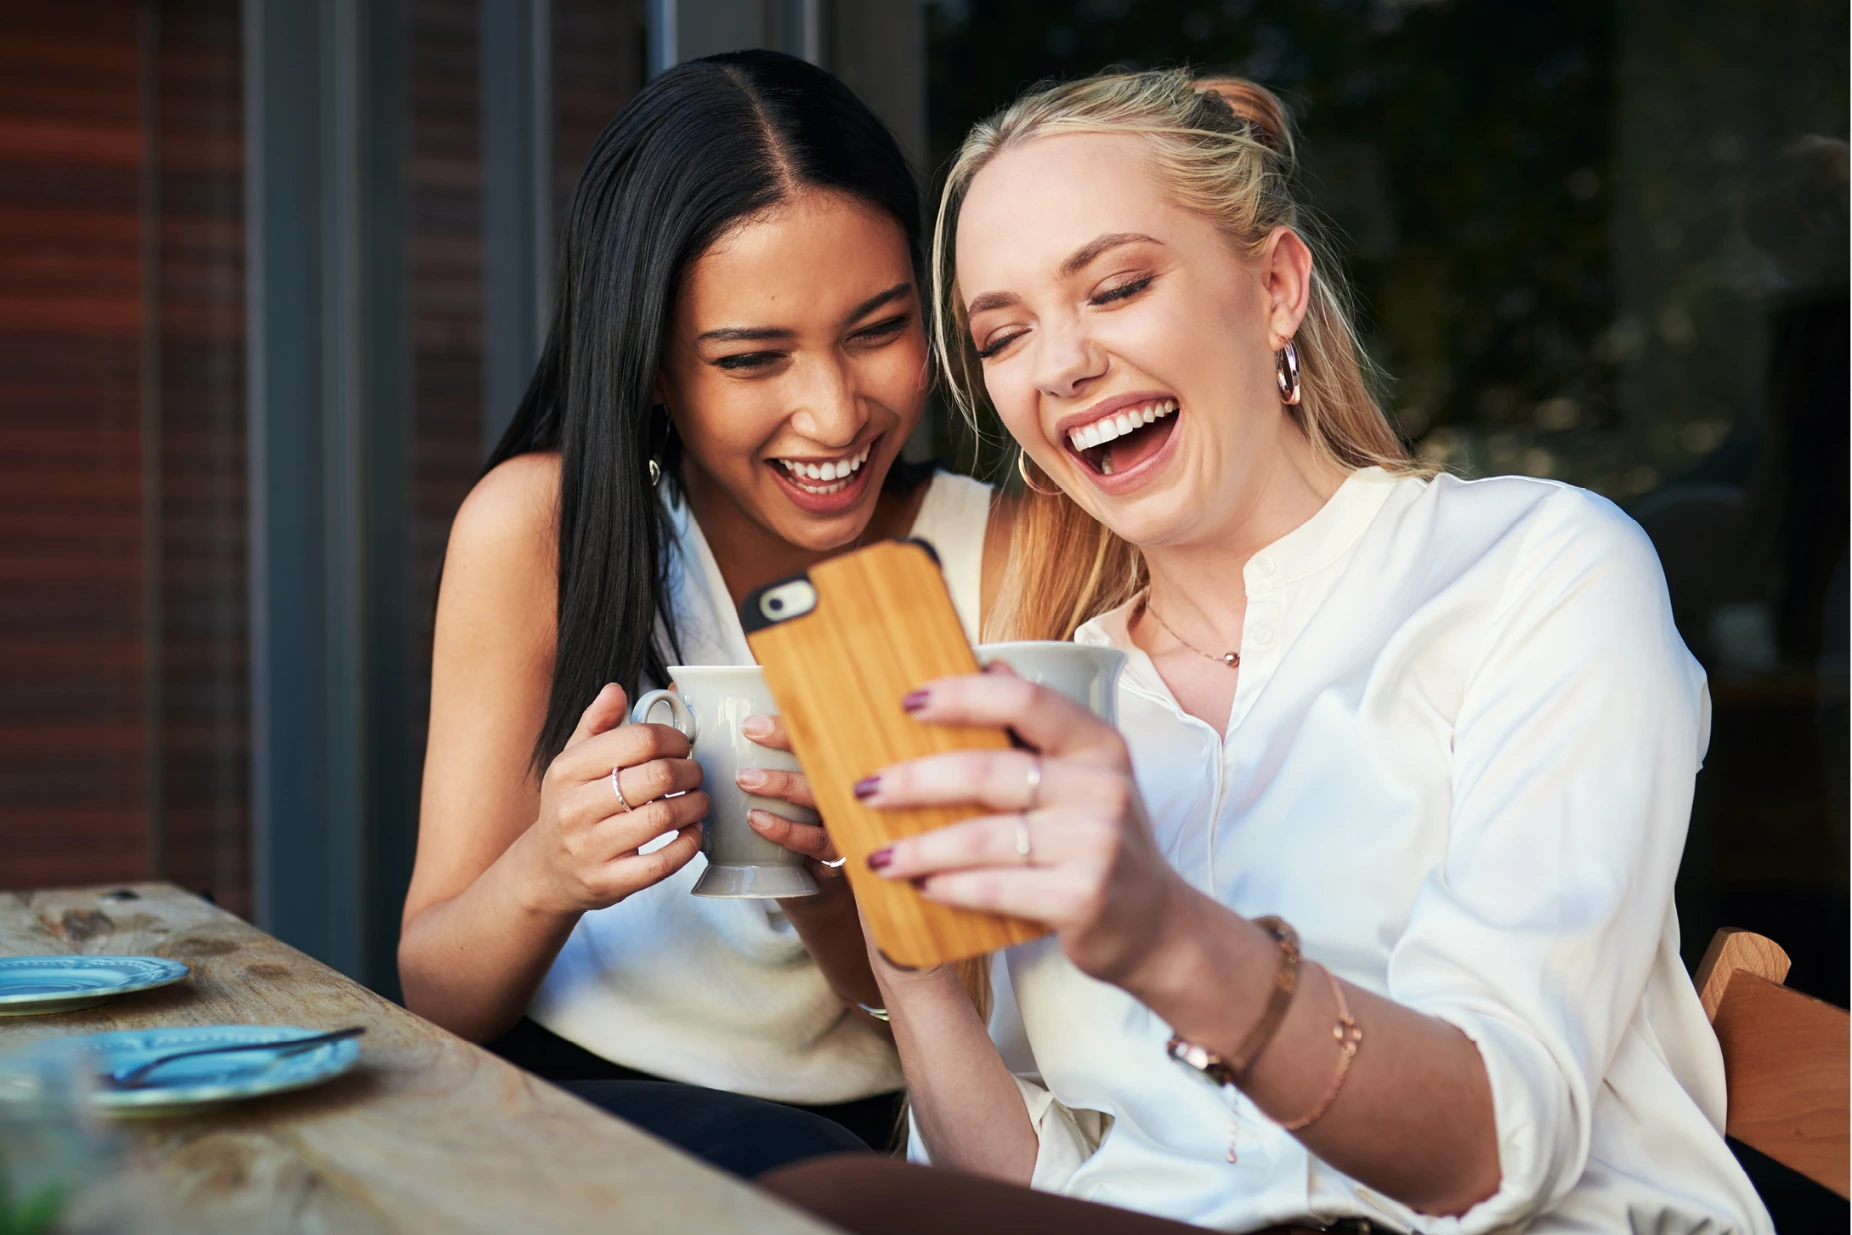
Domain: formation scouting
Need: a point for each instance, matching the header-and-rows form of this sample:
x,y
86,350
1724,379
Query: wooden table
x,y
428,1133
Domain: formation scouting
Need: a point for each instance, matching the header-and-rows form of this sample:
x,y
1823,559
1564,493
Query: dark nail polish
x,y
866,787
880,858
914,702
918,882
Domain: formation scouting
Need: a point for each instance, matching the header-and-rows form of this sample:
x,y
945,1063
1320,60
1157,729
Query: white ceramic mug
x,y
1087,675
707,706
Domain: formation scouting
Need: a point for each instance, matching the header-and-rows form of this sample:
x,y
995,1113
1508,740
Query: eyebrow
x,y
756,334
1084,256
1076,261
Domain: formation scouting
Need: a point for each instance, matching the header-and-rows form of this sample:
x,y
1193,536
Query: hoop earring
x,y
1286,372
1022,470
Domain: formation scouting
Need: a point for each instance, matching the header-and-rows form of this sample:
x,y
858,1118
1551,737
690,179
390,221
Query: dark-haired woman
x,y
735,361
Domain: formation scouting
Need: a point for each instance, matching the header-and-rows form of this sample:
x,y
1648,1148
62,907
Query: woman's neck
x,y
1200,584
750,555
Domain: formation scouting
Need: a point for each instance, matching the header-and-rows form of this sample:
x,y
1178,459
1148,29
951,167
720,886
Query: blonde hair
x,y
1224,146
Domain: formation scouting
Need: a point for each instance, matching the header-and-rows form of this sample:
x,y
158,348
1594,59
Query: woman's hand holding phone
x,y
1068,844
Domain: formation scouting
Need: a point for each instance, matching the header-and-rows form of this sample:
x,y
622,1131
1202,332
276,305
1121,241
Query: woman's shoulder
x,y
1535,517
1545,550
516,499
506,532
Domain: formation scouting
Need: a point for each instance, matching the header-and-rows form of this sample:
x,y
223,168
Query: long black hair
x,y
707,144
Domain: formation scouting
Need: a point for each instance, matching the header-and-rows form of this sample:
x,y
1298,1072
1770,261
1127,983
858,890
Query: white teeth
x,y
833,475
1119,424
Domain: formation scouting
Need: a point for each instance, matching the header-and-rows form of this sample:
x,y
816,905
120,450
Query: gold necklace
x,y
1231,659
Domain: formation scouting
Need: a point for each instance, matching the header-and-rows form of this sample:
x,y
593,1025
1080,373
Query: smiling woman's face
x,y
1124,343
795,366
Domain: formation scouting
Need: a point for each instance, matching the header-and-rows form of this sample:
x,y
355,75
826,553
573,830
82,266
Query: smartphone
x,y
841,646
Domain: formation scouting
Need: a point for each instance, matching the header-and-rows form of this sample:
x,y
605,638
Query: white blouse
x,y
1460,762
723,993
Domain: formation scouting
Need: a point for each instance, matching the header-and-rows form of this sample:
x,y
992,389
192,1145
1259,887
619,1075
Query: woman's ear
x,y
1286,275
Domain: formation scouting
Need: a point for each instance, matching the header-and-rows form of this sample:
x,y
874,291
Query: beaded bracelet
x,y
1349,1037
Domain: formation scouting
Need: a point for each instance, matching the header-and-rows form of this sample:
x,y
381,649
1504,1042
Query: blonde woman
x,y
1365,922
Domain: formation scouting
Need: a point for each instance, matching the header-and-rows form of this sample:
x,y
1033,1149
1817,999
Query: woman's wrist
x,y
900,987
534,884
832,903
1203,957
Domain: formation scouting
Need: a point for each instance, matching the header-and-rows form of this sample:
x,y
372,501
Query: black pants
x,y
734,1132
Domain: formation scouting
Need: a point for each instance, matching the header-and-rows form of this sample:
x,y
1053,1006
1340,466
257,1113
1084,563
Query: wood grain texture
x,y
429,1133
883,626
1787,1058
1730,951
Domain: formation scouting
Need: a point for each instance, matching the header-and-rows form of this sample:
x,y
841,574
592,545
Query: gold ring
x,y
1035,784
619,791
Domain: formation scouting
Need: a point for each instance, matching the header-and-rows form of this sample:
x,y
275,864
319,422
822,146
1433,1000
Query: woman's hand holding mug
x,y
811,840
605,795
1068,844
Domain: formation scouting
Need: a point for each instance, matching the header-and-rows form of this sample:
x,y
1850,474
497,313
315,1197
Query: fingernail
x,y
867,787
752,778
915,701
756,726
918,882
880,858
753,817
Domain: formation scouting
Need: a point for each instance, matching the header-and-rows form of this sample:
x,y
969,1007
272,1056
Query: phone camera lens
x,y
775,605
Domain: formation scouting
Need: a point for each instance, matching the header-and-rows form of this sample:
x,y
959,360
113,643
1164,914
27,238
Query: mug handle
x,y
681,718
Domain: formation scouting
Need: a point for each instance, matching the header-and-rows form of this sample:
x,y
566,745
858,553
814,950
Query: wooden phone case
x,y
883,626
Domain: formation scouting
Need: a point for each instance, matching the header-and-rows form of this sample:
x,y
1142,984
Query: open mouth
x,y
1124,438
825,476
827,487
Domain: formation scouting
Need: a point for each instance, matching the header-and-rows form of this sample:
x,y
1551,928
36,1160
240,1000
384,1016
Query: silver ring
x,y
1023,847
619,791
1035,784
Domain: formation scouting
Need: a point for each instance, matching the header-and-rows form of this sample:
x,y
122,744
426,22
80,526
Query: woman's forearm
x,y
832,933
473,962
969,1111
1414,1118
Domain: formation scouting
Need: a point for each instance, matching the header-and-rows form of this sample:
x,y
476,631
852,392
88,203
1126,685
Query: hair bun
x,y
1259,106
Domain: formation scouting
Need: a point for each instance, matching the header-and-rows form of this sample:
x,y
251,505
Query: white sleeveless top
x,y
723,993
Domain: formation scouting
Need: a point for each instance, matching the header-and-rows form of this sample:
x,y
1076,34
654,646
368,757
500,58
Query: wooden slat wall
x,y
204,691
73,734
124,750
597,63
122,746
444,258
597,66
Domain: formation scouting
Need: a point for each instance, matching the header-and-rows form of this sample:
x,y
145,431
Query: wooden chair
x,y
1786,1059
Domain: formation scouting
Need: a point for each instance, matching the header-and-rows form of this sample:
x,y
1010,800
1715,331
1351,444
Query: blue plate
x,y
34,985
208,1080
